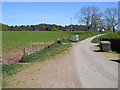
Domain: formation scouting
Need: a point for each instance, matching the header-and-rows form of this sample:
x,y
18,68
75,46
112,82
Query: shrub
x,y
55,29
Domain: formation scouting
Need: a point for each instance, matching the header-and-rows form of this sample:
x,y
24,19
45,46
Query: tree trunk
x,y
113,29
88,27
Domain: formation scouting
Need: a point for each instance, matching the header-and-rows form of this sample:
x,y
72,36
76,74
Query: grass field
x,y
19,39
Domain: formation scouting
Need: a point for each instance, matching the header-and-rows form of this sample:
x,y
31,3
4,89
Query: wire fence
x,y
36,46
15,56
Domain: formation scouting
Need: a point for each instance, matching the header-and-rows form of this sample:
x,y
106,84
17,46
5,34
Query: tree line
x,y
44,27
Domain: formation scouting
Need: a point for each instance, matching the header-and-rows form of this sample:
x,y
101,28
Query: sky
x,y
60,13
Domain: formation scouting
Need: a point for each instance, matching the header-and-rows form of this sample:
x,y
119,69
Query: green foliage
x,y
55,29
4,27
4,83
112,35
47,27
11,69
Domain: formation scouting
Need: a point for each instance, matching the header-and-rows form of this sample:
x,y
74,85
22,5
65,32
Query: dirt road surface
x,y
80,67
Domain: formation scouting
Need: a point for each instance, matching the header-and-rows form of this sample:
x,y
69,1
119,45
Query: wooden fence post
x,y
31,48
24,51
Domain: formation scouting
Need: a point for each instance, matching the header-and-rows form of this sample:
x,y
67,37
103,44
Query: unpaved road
x,y
80,67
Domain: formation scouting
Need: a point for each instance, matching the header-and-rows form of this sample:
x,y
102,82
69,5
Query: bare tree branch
x,y
111,16
90,16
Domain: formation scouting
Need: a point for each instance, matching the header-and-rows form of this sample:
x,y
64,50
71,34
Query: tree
x,y
111,17
55,29
90,16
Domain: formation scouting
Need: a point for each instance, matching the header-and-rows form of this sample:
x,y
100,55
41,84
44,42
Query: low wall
x,y
115,44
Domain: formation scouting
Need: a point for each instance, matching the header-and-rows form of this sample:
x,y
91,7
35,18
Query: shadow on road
x,y
118,61
97,51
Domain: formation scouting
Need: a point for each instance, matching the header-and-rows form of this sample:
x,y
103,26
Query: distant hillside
x,y
3,27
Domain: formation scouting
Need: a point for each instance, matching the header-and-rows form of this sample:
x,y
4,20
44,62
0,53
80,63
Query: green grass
x,y
17,40
111,35
20,39
84,34
9,70
113,52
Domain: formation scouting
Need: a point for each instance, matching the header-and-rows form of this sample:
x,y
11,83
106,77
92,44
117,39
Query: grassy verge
x,y
114,38
111,35
10,70
51,50
84,35
56,48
